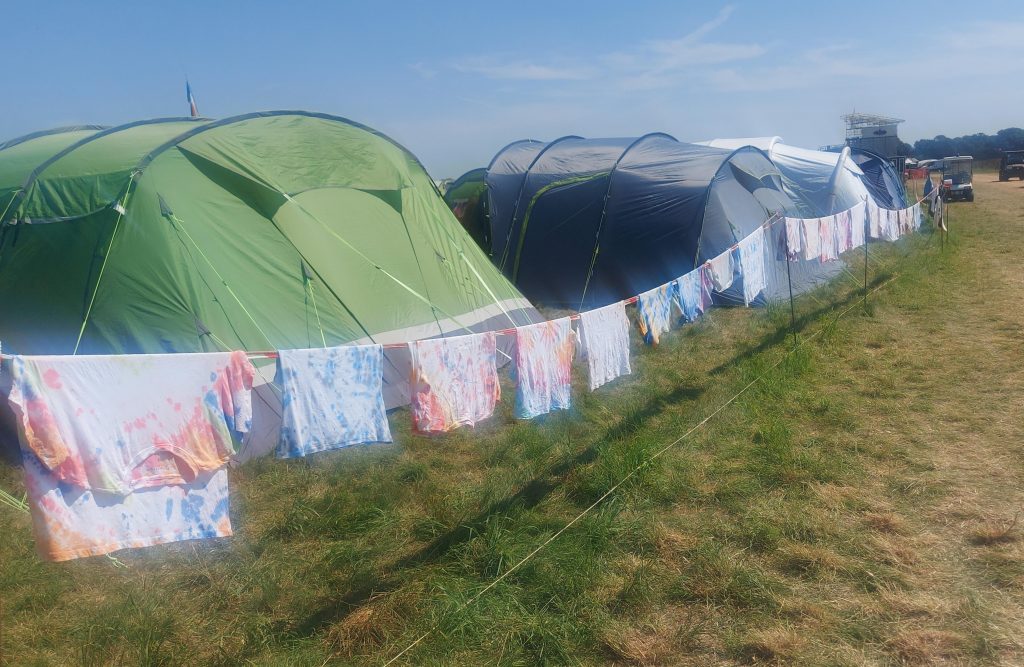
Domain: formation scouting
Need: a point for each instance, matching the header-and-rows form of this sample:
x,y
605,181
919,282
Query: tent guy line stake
x,y
625,479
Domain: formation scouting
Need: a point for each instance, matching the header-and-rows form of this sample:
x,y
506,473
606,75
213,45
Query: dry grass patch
x,y
659,640
808,559
367,628
885,522
672,543
914,604
925,646
995,532
779,645
895,551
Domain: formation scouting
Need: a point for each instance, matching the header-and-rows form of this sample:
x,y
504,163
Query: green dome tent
x,y
265,231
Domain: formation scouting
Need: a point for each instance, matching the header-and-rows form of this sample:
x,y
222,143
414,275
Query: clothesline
x,y
511,331
332,396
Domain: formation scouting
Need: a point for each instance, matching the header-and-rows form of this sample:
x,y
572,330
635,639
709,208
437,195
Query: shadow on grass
x,y
541,486
779,335
526,498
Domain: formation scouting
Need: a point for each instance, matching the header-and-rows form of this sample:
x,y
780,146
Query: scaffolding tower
x,y
873,132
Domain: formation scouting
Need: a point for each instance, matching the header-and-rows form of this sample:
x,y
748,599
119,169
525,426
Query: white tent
x,y
820,183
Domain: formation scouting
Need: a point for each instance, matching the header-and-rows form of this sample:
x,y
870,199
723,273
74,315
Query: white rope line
x,y
629,476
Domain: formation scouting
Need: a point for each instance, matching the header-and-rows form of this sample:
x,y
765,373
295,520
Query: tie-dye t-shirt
x,y
751,251
71,522
827,238
693,291
721,270
454,381
792,236
605,338
811,238
120,423
543,367
874,213
857,224
654,312
332,398
844,238
890,225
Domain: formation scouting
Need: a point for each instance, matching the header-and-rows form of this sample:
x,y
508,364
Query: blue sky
x,y
454,82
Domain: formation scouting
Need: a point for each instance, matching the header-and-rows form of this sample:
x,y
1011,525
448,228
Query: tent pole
x,y
103,267
789,280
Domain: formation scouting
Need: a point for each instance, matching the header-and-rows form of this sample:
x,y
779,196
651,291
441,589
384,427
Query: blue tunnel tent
x,y
580,223
882,179
820,183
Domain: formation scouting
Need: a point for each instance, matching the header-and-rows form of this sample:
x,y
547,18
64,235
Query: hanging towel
x,y
605,342
827,236
654,309
751,251
722,270
332,397
454,381
917,216
693,291
811,238
121,423
543,367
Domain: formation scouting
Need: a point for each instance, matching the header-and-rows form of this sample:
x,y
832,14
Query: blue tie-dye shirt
x,y
331,398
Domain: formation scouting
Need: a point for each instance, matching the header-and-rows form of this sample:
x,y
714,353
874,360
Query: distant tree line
x,y
980,146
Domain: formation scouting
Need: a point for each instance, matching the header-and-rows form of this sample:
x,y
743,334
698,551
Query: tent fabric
x,y
819,182
582,223
18,157
881,178
266,231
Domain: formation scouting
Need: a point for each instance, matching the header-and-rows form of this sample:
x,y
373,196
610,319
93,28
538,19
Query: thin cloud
x,y
423,70
846,64
689,50
526,71
650,64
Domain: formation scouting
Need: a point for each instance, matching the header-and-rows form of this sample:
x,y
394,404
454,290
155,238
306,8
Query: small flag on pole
x,y
192,108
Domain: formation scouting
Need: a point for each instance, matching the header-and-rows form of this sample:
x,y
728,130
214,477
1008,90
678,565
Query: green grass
x,y
810,521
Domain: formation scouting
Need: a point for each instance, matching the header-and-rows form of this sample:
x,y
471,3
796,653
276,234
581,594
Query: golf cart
x,y
957,177
1012,164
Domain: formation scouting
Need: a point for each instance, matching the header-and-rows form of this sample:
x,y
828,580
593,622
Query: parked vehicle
x,y
1012,164
958,178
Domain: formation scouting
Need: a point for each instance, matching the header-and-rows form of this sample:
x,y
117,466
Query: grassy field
x,y
857,505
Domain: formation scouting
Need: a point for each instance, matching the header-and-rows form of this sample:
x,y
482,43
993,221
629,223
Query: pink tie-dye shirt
x,y
454,381
128,451
120,423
